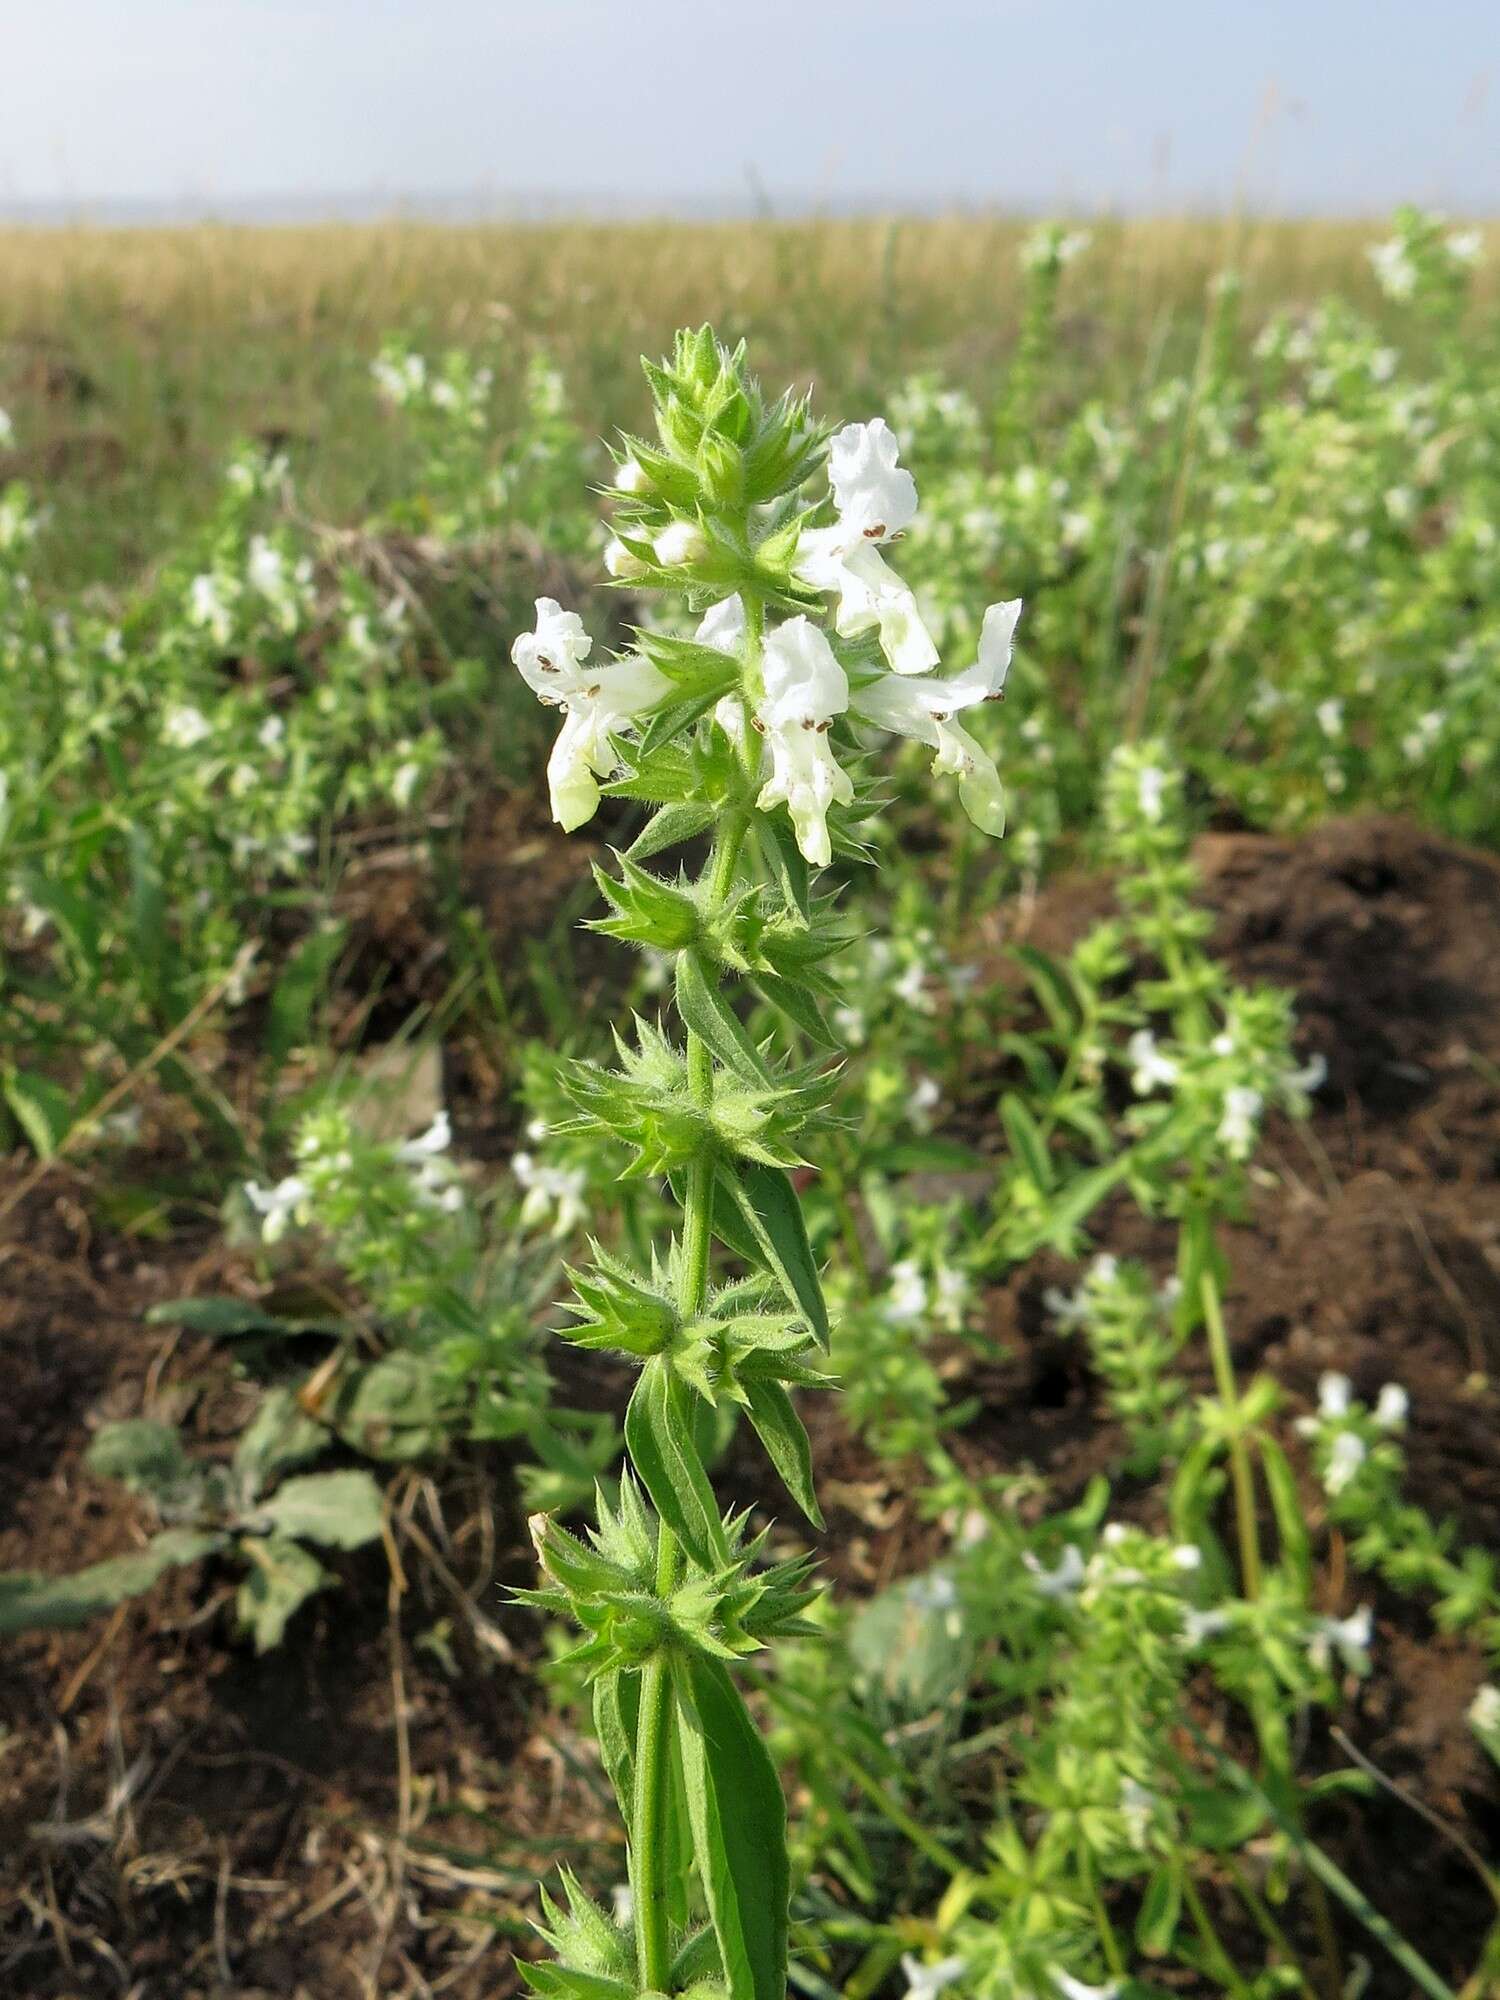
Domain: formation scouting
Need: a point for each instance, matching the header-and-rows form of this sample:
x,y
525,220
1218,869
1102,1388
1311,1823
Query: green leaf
x,y
228,1318
707,1014
280,1435
289,1021
144,1455
659,1436
43,1110
1052,987
738,1819
1161,1908
670,827
617,1704
27,1599
798,1005
1026,1141
766,1202
781,1431
784,859
281,1578
1286,1505
339,1509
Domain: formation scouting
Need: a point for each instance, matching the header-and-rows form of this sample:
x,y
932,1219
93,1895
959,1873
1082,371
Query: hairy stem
x,y
655,1729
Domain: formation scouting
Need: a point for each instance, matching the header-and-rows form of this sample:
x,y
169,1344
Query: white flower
x,y
622,1901
1416,743
950,1296
722,626
934,1592
1395,272
1312,1075
871,595
265,567
209,606
1334,1395
875,497
907,1298
911,988
270,732
1153,1068
1331,718
597,701
1484,1709
1464,246
1079,1989
925,1982
185,726
923,708
1242,1107
680,542
548,1188
1200,1625
404,783
1392,1407
1068,1310
1137,1809
436,1139
1345,1456
805,688
1150,789
1063,1581
631,476
922,1100
1348,1637
279,1206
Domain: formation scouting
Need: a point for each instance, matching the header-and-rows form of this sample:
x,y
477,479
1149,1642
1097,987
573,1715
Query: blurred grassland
x,y
130,359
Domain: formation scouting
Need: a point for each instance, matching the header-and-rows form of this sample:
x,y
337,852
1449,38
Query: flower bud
x,y
680,544
721,469
632,477
621,564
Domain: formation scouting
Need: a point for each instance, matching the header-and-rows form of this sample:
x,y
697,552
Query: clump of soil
x,y
180,1819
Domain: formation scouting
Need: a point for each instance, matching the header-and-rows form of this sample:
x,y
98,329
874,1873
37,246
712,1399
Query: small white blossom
x,y
1331,718
1153,1068
548,1189
1392,1407
1464,246
1346,1455
552,660
622,1902
907,1299
1151,786
1349,1638
876,498
631,477
1079,1989
622,563
922,1100
926,1982
805,689
1065,1580
185,726
279,1206
1242,1107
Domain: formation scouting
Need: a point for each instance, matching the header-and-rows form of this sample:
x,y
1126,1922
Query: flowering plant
x,y
752,730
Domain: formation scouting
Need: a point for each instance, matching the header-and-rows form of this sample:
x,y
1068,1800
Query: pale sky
x,y
1321,106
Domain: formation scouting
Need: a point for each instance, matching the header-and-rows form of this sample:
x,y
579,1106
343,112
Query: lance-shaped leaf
x,y
781,1431
707,1014
681,821
738,1818
763,1203
659,1435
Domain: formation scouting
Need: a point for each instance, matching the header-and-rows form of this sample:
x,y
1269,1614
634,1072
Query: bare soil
x,y
364,1811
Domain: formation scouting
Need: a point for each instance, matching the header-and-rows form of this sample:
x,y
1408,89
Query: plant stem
x,y
654,1730
1239,1458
